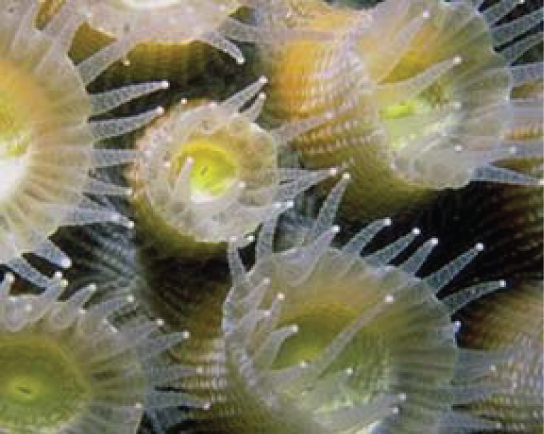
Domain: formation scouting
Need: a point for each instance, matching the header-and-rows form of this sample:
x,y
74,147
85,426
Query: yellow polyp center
x,y
24,110
13,133
14,141
433,98
214,170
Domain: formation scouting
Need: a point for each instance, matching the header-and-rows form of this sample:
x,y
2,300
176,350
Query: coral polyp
x,y
67,366
425,91
210,173
322,340
511,321
47,140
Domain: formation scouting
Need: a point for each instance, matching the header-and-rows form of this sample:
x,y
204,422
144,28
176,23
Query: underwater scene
x,y
271,216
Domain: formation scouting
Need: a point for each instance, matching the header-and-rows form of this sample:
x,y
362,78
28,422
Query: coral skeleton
x,y
429,89
209,172
67,367
47,138
322,340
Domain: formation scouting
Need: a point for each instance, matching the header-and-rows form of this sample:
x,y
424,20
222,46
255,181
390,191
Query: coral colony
x,y
217,216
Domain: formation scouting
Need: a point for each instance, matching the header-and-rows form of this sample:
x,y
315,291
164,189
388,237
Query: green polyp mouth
x,y
40,385
366,356
316,329
428,101
24,388
214,170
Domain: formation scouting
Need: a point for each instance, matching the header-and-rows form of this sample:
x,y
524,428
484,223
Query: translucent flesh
x,y
426,111
24,113
214,170
39,384
387,355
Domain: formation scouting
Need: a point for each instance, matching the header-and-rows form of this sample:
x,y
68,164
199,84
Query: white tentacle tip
x,y
457,326
263,79
416,231
502,283
387,221
165,84
479,247
389,299
9,278
434,241
66,263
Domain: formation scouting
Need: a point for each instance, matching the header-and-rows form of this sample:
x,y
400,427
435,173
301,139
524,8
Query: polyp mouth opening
x,y
213,170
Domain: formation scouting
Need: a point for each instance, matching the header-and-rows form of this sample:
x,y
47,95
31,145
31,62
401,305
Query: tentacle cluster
x,y
47,136
180,21
323,340
425,91
66,366
209,172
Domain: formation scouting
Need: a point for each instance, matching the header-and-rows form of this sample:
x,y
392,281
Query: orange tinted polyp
x,y
420,94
